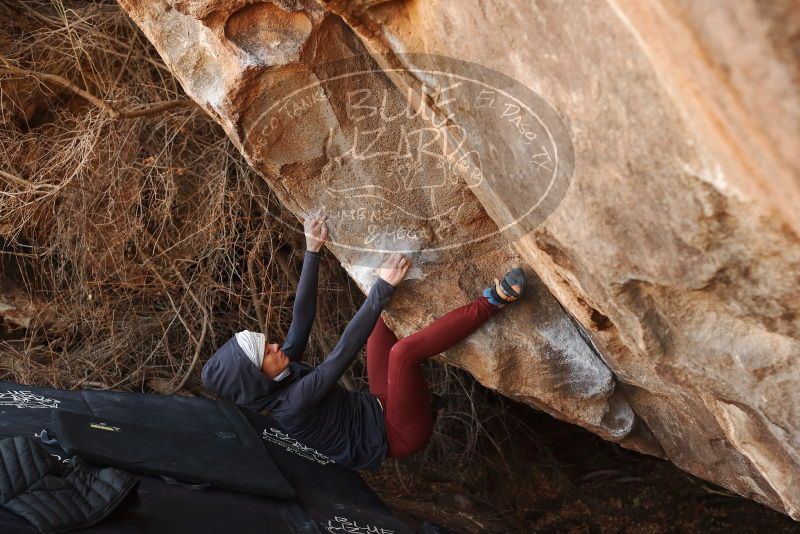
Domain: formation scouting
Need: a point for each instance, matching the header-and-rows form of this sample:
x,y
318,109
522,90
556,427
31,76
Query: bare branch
x,y
65,83
156,108
198,348
141,111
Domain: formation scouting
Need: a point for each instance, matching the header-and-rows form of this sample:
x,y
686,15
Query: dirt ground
x,y
568,480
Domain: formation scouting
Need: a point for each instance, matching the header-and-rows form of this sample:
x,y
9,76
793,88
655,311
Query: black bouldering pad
x,y
187,458
160,508
328,498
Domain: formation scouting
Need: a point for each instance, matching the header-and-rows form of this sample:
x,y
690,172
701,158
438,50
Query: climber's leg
x,y
379,343
409,420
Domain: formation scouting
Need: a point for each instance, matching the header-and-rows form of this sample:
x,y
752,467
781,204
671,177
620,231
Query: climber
x,y
355,429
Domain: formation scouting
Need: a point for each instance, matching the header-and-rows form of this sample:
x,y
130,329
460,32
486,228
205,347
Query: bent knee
x,y
406,348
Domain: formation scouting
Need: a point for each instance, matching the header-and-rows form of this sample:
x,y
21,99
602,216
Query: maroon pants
x,y
395,373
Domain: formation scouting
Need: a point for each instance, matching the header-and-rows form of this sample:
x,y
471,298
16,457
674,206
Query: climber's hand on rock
x,y
395,268
316,231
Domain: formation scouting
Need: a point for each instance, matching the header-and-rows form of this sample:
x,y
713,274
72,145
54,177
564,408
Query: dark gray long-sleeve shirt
x,y
346,426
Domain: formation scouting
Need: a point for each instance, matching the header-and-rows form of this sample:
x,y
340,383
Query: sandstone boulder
x,y
649,178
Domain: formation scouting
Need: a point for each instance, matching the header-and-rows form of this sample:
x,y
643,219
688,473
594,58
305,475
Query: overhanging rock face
x,y
654,143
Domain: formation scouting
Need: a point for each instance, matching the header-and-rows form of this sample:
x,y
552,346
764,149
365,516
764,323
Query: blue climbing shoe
x,y
509,289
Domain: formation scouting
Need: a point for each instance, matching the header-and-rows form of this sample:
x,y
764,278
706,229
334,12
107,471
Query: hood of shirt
x,y
232,375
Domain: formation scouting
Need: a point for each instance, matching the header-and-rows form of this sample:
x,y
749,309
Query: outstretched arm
x,y
312,388
305,308
305,300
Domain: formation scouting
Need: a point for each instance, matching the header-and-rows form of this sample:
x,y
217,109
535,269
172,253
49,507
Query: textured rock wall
x,y
666,313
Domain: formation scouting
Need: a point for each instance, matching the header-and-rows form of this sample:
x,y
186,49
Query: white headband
x,y
252,343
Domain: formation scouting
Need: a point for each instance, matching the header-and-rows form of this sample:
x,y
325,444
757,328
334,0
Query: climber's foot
x,y
509,289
